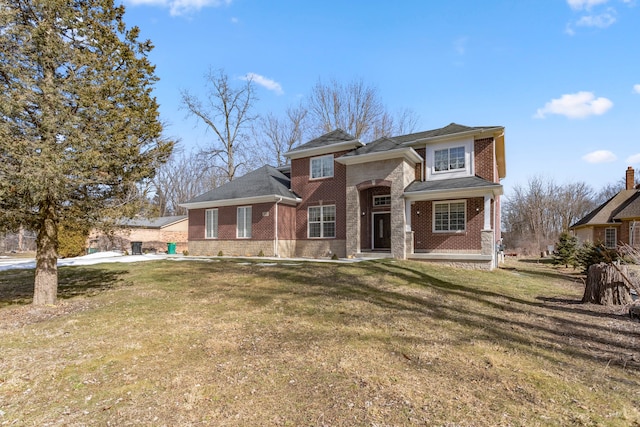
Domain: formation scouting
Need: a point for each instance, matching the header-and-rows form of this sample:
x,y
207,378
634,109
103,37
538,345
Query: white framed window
x,y
449,216
321,167
610,237
382,200
244,222
322,221
211,224
634,234
449,159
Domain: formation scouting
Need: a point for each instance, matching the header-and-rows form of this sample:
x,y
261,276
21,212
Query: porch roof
x,y
450,188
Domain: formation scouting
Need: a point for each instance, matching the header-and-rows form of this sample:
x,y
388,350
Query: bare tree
x,y
185,176
405,121
227,112
535,215
280,135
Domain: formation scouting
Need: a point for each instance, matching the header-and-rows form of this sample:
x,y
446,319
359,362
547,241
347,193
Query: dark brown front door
x,y
381,231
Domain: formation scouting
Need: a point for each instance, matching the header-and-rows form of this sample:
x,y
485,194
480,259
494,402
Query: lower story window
x,y
211,224
322,221
244,222
610,238
634,233
449,216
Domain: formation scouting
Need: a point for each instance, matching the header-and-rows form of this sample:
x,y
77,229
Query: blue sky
x,y
562,76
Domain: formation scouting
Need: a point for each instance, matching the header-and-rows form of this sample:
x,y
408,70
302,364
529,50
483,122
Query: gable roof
x,y
629,209
608,212
259,186
337,140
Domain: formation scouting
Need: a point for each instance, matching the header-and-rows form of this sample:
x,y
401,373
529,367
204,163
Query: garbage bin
x,y
171,248
136,248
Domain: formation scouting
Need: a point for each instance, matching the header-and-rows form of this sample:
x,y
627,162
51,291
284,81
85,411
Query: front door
x,y
382,230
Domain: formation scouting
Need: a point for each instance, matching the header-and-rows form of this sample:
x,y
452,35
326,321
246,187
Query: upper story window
x,y
322,167
244,222
211,224
449,159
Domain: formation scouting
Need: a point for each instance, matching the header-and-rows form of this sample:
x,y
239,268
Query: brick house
x,y
431,195
615,221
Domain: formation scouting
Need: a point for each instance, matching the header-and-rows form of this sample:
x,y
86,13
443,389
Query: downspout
x,y
275,242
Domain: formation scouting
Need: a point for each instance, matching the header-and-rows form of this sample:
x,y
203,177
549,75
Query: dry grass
x,y
384,343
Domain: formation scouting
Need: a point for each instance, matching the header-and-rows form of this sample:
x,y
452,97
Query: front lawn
x,y
377,343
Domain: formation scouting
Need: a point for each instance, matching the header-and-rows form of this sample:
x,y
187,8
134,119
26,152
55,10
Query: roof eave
x,y
452,136
407,153
325,149
242,201
495,190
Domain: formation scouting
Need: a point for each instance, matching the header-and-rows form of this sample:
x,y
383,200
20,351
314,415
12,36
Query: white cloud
x,y
265,82
600,156
575,106
634,160
636,89
584,4
460,45
603,20
181,7
234,20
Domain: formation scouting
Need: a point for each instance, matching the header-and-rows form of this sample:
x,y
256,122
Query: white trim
x,y
244,222
321,159
325,149
322,222
615,237
456,192
205,223
447,202
468,170
407,153
241,201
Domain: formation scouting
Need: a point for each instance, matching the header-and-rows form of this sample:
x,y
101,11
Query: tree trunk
x,y
606,286
46,277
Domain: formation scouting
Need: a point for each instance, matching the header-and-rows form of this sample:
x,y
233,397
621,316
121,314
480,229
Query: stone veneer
x,y
400,173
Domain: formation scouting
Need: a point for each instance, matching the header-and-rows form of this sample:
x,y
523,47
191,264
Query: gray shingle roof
x,y
450,129
265,181
471,182
379,145
630,209
335,137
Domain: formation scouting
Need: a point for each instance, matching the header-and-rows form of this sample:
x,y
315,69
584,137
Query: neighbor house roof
x,y
610,211
630,209
259,186
454,187
159,222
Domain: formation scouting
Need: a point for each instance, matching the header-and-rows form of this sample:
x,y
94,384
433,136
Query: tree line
x,y
535,214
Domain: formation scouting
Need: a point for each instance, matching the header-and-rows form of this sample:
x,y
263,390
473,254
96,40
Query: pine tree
x,y
566,250
78,124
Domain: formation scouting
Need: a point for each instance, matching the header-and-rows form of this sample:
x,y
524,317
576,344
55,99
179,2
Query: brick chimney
x,y
630,181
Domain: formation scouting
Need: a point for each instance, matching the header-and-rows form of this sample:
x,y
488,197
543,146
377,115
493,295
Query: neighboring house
x,y
431,195
153,233
615,221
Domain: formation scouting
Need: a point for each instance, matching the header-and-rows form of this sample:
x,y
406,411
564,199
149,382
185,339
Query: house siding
x,y
425,240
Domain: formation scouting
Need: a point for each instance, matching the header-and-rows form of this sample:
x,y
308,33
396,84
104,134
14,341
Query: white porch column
x,y
487,212
407,215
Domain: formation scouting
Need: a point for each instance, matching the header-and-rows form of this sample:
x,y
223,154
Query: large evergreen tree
x,y
79,127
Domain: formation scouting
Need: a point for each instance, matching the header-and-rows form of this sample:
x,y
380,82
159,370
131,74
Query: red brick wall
x,y
422,152
325,191
426,239
261,226
484,161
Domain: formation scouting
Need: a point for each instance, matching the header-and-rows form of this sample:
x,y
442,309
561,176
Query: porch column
x,y
487,212
353,221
